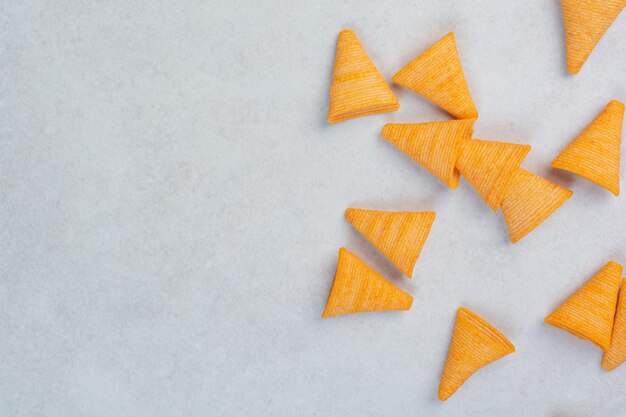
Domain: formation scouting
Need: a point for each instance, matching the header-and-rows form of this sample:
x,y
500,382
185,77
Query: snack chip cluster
x,y
448,150
357,288
593,313
400,236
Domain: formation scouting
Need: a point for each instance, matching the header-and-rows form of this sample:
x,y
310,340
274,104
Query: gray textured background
x,y
172,204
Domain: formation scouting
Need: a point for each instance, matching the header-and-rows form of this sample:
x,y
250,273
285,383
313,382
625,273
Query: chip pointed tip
x,y
616,103
328,312
347,32
616,265
386,129
442,396
573,68
548,319
473,115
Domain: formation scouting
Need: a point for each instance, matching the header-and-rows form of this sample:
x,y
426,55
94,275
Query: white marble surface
x,y
171,205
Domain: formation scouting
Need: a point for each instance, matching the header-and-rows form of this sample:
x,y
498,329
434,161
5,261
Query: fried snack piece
x,y
489,167
475,343
434,145
357,89
585,23
358,288
399,235
616,355
595,153
589,312
528,201
437,75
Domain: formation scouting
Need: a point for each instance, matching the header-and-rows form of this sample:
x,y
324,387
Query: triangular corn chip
x,y
475,343
358,89
616,355
529,200
437,75
489,167
358,288
595,153
585,23
400,236
589,312
434,145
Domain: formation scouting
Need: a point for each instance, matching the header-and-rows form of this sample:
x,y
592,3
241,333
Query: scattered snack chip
x,y
357,89
528,201
399,235
595,153
437,75
358,288
434,145
616,355
475,343
589,312
585,23
489,167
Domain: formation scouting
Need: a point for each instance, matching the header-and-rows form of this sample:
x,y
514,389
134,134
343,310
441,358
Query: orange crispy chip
x,y
595,153
434,145
475,343
616,355
585,23
589,312
400,236
528,201
358,89
358,288
437,75
489,167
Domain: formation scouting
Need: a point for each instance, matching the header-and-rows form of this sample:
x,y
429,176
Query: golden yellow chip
x,y
434,145
475,343
528,201
489,166
357,89
400,236
585,23
595,153
437,75
358,288
589,312
616,355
